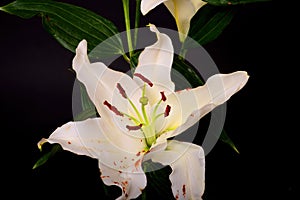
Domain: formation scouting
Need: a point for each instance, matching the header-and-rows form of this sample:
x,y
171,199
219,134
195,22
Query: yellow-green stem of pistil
x,y
148,126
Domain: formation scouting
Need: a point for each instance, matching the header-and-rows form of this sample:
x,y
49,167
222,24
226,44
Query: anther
x,y
113,108
163,96
167,111
133,128
121,90
143,78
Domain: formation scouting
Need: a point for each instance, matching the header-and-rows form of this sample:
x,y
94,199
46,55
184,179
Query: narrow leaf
x,y
89,113
209,23
226,139
86,102
69,24
55,148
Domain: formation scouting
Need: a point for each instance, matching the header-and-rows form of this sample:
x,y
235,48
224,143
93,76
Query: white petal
x,y
188,106
83,138
132,181
92,137
187,161
155,64
117,162
101,83
183,11
147,5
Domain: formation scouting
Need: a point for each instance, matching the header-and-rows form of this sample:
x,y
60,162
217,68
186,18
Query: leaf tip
x,y
34,166
235,149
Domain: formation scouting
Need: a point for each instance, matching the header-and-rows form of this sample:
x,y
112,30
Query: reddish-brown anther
x,y
143,78
113,108
167,111
121,90
163,96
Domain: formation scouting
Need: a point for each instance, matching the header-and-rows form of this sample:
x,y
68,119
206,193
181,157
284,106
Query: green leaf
x,y
55,148
232,2
226,139
86,102
195,80
69,24
88,113
158,180
187,71
209,23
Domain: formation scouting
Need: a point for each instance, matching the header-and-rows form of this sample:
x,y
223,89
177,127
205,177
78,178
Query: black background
x,y
36,97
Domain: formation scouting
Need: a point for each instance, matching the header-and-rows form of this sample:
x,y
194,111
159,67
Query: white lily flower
x,y
182,11
138,115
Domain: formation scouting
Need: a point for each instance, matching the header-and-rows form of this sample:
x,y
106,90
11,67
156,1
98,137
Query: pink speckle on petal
x,y
137,163
69,142
177,195
183,190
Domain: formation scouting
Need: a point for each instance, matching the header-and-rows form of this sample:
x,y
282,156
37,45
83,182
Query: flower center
x,y
142,120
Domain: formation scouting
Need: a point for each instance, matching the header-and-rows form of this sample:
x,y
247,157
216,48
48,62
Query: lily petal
x,y
183,11
94,136
131,183
101,83
192,104
118,166
155,64
147,5
187,161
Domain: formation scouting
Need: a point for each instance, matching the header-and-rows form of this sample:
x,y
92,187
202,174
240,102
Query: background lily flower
x,y
182,11
139,115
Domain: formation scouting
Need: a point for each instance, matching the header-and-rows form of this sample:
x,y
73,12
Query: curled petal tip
x,y
147,5
81,57
153,28
82,47
245,75
41,142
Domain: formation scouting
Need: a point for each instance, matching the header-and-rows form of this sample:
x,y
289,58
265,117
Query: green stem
x,y
127,23
126,58
182,52
137,20
144,196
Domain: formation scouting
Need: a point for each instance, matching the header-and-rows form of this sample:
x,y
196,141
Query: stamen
x,y
144,102
167,111
143,78
113,108
163,96
121,90
133,128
